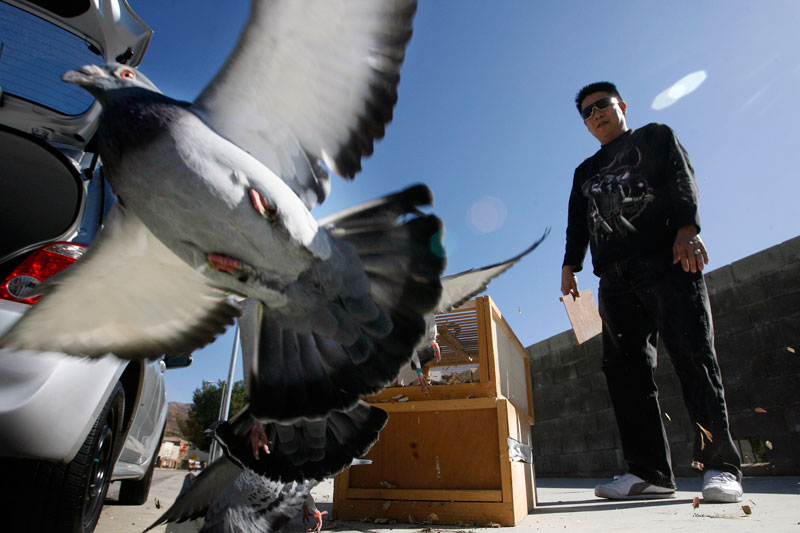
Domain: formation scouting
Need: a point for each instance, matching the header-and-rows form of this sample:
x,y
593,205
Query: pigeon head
x,y
100,79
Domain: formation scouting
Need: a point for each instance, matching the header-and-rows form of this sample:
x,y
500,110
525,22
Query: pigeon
x,y
260,489
214,200
456,290
254,504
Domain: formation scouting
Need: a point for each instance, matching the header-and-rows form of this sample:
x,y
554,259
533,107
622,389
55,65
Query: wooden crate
x,y
443,462
443,458
476,333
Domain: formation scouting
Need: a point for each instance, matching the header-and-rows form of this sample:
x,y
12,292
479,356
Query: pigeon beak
x,y
84,76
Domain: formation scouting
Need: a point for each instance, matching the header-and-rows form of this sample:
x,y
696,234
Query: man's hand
x,y
688,249
569,283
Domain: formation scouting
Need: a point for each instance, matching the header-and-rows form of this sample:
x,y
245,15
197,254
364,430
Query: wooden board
x,y
421,448
583,316
448,459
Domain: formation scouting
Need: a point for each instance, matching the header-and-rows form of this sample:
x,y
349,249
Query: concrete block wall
x,y
756,307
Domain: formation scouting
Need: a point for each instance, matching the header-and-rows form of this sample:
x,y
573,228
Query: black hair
x,y
596,87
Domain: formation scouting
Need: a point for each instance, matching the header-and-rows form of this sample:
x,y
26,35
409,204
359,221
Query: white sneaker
x,y
630,487
721,487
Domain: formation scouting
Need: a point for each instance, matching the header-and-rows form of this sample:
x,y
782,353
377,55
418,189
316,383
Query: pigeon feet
x,y
260,203
224,263
436,351
317,516
258,439
423,381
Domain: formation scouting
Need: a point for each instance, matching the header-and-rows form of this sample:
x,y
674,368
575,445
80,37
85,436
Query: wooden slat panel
x,y
486,354
523,479
439,405
439,392
458,335
435,449
450,495
504,408
482,514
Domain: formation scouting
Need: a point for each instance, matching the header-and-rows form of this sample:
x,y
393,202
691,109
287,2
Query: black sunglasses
x,y
603,103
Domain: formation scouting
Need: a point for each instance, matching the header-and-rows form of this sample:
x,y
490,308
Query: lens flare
x,y
679,89
487,215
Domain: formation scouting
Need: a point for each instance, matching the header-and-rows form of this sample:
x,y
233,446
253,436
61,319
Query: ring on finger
x,y
697,251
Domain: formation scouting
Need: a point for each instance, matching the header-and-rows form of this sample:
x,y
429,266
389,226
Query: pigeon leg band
x,y
224,263
423,381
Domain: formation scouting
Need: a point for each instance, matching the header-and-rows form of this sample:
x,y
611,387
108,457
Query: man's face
x,y
605,124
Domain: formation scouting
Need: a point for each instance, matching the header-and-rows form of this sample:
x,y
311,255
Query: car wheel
x,y
135,491
96,458
56,497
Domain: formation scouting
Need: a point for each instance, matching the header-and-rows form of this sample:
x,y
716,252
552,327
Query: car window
x,y
35,53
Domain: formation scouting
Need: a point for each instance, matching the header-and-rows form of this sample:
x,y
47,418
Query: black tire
x,y
66,498
135,491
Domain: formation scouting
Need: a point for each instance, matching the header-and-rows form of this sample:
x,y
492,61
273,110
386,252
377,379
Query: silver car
x,y
68,426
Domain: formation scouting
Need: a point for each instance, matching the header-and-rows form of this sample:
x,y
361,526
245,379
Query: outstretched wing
x,y
129,295
311,81
304,449
197,496
458,288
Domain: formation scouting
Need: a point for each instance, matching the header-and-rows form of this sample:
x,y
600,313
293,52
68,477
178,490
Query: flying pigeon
x,y
254,487
214,199
456,290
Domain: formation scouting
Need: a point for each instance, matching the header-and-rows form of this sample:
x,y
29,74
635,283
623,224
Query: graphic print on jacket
x,y
616,196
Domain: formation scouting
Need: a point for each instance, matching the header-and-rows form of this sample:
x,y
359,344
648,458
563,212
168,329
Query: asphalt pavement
x,y
565,504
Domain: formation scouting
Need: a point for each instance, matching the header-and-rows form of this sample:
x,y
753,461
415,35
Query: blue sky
x,y
486,119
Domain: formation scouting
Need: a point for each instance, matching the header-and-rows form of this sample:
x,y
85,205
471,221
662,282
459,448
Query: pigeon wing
x,y
129,295
195,498
458,288
309,82
304,449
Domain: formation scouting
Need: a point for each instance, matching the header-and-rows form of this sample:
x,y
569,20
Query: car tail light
x,y
21,284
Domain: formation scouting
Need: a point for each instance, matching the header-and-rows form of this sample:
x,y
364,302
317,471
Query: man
x,y
635,203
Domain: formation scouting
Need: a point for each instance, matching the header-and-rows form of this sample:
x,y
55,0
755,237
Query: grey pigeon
x,y
255,504
456,290
250,488
214,199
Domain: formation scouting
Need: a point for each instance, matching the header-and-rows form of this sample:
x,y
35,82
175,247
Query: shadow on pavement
x,y
596,504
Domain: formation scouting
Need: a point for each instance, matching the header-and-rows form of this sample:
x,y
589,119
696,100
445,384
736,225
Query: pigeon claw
x,y
258,440
224,263
318,516
260,204
436,351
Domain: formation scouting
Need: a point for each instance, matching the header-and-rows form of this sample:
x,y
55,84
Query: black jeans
x,y
640,299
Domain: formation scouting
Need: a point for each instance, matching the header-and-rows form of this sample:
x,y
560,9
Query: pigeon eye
x,y
127,74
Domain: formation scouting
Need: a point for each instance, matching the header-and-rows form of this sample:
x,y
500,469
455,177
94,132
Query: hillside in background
x,y
177,411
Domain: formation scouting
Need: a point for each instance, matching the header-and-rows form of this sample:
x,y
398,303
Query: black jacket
x,y
630,198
